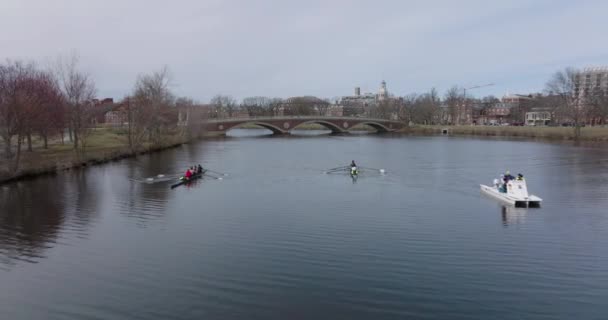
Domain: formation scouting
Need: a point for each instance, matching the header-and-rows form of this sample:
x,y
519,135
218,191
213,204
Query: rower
x,y
188,174
353,167
200,169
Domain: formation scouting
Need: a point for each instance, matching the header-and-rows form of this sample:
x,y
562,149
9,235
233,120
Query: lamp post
x,y
464,96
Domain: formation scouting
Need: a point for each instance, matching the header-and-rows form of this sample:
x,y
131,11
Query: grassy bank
x,y
103,145
553,133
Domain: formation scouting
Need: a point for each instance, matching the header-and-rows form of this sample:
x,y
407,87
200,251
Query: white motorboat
x,y
516,193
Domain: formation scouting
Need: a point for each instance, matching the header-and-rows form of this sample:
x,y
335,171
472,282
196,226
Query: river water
x,y
277,238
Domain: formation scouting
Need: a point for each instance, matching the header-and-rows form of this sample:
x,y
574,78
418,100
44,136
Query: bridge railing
x,y
269,118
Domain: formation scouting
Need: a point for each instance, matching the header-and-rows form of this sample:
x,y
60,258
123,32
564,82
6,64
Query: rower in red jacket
x,y
188,174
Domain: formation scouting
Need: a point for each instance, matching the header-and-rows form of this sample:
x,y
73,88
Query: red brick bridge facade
x,y
283,125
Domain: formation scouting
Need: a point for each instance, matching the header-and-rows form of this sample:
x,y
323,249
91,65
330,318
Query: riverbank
x,y
549,133
104,145
107,145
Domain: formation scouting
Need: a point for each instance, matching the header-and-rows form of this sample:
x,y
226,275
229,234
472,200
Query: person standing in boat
x,y
507,177
501,184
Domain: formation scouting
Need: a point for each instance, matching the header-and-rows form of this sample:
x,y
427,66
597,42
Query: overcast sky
x,y
322,48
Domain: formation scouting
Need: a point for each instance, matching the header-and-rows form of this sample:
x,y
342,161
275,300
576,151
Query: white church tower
x,y
382,93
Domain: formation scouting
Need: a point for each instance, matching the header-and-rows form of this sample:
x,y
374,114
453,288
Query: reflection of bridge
x,y
283,125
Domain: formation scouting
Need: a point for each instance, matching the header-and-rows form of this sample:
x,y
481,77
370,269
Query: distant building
x,y
335,110
495,114
117,116
510,109
514,99
99,107
518,105
360,104
367,99
591,81
538,117
383,92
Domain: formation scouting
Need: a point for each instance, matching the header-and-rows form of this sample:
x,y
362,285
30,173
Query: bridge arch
x,y
330,126
273,128
379,127
284,124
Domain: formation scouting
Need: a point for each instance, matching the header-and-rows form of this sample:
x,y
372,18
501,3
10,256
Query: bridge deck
x,y
283,125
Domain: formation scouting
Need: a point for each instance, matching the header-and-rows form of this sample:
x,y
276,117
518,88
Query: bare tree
x,y
485,104
303,106
565,85
12,76
78,91
50,115
323,107
28,99
489,101
224,105
191,117
137,119
598,103
150,108
275,105
257,106
452,99
428,107
386,109
421,109
8,109
40,103
407,108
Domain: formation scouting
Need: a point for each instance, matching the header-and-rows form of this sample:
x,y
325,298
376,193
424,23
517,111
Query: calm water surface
x,y
279,239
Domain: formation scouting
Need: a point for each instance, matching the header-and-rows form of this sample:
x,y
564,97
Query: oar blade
x,y
217,172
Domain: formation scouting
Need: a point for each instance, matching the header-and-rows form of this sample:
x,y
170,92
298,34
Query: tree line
x,y
56,103
225,106
565,97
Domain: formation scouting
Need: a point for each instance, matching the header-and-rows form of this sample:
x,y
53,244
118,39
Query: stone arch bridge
x,y
283,125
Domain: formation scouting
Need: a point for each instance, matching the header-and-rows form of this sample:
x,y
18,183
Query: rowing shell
x,y
184,181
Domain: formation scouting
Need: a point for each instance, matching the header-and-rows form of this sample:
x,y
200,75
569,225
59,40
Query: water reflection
x,y
513,216
146,202
25,231
83,194
36,214
405,244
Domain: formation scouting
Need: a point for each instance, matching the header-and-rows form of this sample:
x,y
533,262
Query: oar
x,y
217,172
212,176
338,168
379,170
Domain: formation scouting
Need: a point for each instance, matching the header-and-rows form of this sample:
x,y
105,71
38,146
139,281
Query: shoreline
x,y
112,146
588,134
31,173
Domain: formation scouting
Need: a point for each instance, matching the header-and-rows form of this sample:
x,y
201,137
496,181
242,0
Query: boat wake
x,y
158,178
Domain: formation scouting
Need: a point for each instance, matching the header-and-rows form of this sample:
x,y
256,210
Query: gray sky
x,y
322,48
